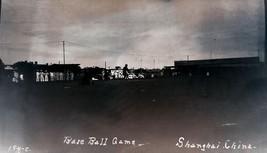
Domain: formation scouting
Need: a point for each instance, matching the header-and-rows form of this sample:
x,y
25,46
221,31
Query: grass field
x,y
153,112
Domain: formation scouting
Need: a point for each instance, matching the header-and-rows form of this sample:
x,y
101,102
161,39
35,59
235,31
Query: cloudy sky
x,y
143,33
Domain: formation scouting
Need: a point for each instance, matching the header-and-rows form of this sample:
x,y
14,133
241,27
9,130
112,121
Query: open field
x,y
156,113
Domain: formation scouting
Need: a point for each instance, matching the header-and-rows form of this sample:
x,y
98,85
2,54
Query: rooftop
x,y
220,62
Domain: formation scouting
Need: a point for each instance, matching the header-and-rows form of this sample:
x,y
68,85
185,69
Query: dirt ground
x,y
164,115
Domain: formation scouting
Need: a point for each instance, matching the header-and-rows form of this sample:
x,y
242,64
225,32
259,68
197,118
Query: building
x,y
29,72
218,67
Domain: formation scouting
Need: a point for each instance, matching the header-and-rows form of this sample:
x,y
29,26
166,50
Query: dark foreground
x,y
171,115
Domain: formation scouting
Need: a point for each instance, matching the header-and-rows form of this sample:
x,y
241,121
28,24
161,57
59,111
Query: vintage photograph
x,y
133,76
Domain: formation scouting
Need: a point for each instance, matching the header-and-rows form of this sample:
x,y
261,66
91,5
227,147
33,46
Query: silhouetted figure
x,y
44,77
125,71
39,77
106,75
49,77
87,78
2,68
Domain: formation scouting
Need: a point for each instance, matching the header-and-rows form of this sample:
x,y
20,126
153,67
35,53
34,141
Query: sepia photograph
x,y
133,76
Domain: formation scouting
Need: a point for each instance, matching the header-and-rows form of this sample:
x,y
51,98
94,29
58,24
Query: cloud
x,y
174,28
236,30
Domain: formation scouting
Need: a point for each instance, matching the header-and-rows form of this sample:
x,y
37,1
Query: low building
x,y
29,72
218,67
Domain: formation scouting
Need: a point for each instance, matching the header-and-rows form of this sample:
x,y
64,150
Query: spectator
x,y
125,72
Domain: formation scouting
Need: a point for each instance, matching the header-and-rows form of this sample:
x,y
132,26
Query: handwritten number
x,y
19,149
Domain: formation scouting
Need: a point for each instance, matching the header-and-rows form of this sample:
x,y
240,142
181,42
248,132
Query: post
x,y
64,74
187,57
64,52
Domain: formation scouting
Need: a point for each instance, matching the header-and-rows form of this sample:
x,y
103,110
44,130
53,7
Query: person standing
x,y
125,72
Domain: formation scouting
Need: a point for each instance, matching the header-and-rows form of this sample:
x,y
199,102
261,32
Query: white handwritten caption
x,y
181,143
19,149
227,145
94,141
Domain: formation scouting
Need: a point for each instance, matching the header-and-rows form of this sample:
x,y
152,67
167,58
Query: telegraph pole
x,y
63,52
65,74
